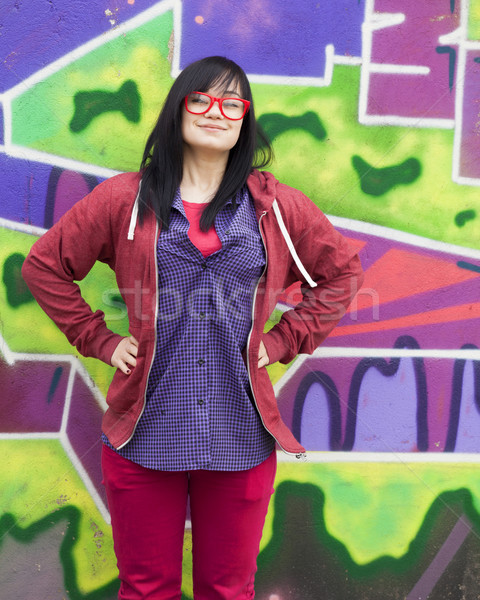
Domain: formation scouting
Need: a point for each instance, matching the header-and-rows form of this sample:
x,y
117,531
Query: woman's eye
x,y
231,103
199,100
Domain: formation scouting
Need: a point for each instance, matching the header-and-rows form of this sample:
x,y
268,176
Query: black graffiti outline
x,y
457,391
389,369
333,400
72,516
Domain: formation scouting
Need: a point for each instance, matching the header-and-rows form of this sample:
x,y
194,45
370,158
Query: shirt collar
x,y
239,199
177,202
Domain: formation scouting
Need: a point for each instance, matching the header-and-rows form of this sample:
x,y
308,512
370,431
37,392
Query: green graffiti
x,y
70,516
303,560
273,124
378,181
16,288
89,105
464,216
40,115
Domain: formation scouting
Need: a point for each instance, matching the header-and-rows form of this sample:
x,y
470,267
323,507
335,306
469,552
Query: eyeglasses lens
x,y
232,108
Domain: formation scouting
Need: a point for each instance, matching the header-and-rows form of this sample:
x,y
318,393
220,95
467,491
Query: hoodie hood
x,y
263,187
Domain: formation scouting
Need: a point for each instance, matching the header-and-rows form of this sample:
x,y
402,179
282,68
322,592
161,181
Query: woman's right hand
x,y
124,355
263,359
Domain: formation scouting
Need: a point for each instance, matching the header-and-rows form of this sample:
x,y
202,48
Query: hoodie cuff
x,y
106,349
275,346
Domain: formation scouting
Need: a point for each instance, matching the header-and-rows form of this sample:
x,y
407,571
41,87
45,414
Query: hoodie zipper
x,y
155,339
300,455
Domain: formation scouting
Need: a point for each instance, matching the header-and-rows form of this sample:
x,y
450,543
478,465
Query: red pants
x,y
148,510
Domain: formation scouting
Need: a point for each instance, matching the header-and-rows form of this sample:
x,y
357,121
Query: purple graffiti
x,y
40,406
1,125
379,405
31,38
385,416
464,427
387,405
43,403
428,299
409,44
317,415
470,128
83,430
26,185
272,38
39,194
65,188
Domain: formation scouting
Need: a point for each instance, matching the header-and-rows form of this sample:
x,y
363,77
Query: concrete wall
x,y
373,108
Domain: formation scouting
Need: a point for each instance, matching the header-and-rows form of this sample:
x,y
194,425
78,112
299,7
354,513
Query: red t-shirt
x,y
207,242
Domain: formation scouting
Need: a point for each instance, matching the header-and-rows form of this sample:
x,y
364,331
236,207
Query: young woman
x,y
202,245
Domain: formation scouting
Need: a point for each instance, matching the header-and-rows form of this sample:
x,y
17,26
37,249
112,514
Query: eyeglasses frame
x,y
246,104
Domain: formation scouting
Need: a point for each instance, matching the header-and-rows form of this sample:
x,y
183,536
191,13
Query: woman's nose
x,y
214,110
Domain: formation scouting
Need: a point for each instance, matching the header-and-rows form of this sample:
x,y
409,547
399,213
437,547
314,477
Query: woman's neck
x,y
202,175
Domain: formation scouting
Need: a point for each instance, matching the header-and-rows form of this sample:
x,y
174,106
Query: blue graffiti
x,y
292,36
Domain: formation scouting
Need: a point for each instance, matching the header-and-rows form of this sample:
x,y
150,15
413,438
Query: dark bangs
x,y
162,162
223,79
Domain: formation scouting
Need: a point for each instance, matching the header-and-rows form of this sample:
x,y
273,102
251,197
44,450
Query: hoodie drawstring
x,y
281,224
290,245
134,216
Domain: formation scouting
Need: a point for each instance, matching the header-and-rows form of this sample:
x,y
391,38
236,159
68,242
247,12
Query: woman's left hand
x,y
125,354
263,359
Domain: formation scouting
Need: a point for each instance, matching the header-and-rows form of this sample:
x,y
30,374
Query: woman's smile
x,y
212,127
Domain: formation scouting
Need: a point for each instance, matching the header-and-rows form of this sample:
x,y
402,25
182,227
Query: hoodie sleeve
x,y
334,266
65,254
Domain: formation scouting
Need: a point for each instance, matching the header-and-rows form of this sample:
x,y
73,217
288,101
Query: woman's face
x,y
211,131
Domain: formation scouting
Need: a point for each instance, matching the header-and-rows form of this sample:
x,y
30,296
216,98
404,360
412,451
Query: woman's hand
x,y
263,359
125,354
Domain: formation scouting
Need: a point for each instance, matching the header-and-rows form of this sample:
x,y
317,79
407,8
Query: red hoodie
x,y
300,243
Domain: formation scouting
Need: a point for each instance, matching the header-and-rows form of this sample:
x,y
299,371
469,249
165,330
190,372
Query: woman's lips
x,y
214,127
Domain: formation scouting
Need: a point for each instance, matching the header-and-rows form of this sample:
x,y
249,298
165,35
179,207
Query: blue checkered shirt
x,y
199,411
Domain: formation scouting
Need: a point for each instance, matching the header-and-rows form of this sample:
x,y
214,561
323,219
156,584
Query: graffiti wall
x,y
373,110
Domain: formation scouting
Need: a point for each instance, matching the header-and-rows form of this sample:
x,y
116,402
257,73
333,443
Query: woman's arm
x,y
334,265
65,254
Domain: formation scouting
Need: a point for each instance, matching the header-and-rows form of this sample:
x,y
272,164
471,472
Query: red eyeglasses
x,y
199,103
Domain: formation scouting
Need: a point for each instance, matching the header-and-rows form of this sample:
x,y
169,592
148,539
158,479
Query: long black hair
x,y
162,162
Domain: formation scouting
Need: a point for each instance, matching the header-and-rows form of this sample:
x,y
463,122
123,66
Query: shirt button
x,y
202,315
200,361
204,266
200,401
